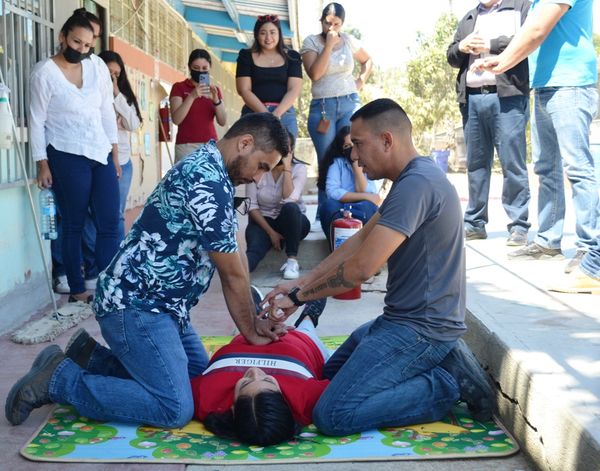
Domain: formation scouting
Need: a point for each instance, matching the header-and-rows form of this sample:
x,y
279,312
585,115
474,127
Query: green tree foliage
x,y
596,39
430,98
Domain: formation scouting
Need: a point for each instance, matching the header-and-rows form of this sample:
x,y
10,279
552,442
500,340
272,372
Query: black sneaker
x,y
31,391
312,309
257,297
533,251
80,347
475,234
474,387
575,261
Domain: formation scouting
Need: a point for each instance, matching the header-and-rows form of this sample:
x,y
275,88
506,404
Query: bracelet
x,y
217,103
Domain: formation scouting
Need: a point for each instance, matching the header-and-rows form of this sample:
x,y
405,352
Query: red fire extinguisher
x,y
164,124
341,230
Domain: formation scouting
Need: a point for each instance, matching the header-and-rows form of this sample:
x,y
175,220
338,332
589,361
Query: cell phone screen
x,y
204,78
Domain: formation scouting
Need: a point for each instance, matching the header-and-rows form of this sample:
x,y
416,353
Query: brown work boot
x,y
31,391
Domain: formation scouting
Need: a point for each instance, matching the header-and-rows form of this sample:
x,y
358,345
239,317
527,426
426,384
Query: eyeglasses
x,y
241,204
267,19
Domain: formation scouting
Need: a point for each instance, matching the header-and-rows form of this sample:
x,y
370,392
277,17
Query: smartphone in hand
x,y
203,78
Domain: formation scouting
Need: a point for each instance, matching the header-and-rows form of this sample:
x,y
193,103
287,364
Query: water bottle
x,y
6,136
48,215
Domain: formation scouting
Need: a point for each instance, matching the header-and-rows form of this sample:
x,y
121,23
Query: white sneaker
x,y
290,269
90,285
61,285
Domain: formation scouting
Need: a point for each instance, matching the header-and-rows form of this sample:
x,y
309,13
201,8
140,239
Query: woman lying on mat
x,y
262,394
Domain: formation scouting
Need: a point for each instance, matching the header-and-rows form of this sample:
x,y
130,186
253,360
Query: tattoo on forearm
x,y
335,281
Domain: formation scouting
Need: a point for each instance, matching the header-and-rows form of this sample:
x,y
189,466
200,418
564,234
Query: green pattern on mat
x,y
66,436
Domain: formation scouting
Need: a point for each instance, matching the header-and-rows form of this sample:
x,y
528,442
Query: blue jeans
x,y
330,210
339,111
143,377
560,142
291,224
500,123
385,374
80,183
124,185
88,243
590,264
288,119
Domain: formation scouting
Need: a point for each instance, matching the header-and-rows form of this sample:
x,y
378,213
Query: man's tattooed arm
x,y
336,281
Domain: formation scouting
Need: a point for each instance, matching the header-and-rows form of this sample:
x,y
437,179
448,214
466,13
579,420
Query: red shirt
x,y
198,125
295,361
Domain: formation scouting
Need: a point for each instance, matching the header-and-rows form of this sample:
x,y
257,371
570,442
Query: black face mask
x,y
73,56
90,52
347,152
195,74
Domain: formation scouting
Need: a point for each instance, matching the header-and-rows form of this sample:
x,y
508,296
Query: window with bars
x,y
27,35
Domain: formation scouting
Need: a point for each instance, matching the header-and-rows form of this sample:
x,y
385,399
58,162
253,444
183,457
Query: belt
x,y
481,90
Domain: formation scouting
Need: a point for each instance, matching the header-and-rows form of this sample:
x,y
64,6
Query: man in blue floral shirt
x,y
186,229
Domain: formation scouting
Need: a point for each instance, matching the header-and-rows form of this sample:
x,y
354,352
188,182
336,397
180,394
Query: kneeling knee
x,y
178,414
328,422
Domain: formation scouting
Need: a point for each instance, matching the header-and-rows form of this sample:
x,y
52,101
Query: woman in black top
x,y
269,75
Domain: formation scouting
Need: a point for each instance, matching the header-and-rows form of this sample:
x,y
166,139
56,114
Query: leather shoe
x,y
31,391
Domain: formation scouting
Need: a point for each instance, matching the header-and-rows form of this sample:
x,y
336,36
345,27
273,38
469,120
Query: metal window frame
x,y
27,35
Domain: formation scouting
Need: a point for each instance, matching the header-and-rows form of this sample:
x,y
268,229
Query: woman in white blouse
x,y
73,131
277,217
129,119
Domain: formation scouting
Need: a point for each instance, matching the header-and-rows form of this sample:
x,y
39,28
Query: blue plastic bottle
x,y
48,215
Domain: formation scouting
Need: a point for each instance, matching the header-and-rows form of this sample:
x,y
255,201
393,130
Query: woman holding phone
x,y
195,103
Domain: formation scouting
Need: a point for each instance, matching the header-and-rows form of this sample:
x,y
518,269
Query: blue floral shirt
x,y
163,265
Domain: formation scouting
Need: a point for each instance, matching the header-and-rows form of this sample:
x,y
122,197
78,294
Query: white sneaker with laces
x,y
61,285
290,269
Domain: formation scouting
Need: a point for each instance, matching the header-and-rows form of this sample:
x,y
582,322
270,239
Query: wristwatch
x,y
293,295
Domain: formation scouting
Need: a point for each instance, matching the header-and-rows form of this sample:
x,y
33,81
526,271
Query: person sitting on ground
x,y
261,395
277,214
346,185
408,365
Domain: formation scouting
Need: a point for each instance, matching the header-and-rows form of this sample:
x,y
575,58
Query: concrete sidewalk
x,y
541,348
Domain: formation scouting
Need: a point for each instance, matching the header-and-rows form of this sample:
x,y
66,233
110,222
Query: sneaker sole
x,y
540,257
40,362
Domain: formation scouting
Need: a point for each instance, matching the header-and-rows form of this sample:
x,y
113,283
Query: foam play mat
x,y
68,437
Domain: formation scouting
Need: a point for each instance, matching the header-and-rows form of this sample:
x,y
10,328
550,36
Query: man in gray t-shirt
x,y
408,365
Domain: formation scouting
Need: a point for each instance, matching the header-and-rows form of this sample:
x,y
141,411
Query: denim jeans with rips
x,y
143,376
385,374
560,127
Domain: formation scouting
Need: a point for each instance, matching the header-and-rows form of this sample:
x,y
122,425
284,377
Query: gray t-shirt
x,y
426,281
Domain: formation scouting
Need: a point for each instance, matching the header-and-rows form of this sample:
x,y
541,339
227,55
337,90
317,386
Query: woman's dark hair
x,y
122,80
335,149
76,20
260,21
264,419
199,54
92,18
334,9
